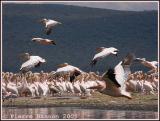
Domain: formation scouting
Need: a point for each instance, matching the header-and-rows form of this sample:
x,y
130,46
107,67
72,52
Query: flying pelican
x,y
103,52
43,41
49,24
64,68
31,61
150,64
113,81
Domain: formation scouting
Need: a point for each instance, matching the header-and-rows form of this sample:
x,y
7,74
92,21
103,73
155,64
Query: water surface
x,y
74,113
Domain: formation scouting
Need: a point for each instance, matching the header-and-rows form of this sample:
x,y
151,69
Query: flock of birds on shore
x,y
68,79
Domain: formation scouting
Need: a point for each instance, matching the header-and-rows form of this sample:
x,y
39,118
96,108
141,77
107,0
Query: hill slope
x,y
83,30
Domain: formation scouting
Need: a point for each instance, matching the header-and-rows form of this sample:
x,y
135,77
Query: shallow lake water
x,y
74,113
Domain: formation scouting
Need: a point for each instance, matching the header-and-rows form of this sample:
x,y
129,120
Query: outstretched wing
x,y
139,60
111,76
48,30
24,56
146,63
93,62
100,49
62,65
119,74
126,63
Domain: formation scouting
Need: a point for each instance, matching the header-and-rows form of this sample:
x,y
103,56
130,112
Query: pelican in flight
x,y
30,62
150,64
113,81
103,52
43,41
49,24
64,68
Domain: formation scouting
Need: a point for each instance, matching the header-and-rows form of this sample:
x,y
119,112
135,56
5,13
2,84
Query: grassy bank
x,y
97,100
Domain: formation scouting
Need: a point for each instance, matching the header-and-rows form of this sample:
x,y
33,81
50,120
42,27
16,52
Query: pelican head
x,y
115,51
42,20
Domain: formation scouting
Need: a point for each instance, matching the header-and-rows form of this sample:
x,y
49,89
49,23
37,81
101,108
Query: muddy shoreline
x,y
94,106
97,101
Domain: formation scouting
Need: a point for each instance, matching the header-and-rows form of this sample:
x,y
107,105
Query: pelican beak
x,y
53,43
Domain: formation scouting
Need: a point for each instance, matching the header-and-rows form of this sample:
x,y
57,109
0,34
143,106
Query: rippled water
x,y
74,113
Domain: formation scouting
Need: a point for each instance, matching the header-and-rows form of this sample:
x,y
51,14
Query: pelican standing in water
x,y
103,52
49,24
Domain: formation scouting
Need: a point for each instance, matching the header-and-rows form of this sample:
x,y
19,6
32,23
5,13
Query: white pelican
x,y
32,61
65,68
11,87
44,87
4,91
49,24
150,64
113,81
43,41
103,52
147,87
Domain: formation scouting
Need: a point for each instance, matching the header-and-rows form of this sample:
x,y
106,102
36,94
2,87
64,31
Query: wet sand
x,y
96,101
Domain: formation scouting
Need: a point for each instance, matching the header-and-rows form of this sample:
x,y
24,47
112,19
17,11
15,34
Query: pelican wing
x,y
99,56
48,30
100,49
110,77
62,65
122,75
24,56
68,68
29,64
155,63
34,61
139,59
146,63
119,74
37,39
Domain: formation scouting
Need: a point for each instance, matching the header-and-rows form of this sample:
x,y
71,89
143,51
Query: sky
x,y
134,6
131,6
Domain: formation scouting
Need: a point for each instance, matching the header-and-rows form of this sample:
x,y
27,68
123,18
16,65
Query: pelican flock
x,y
70,80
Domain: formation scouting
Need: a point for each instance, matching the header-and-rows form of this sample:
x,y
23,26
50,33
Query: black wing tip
x,y
93,63
38,65
22,71
111,76
53,43
48,31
